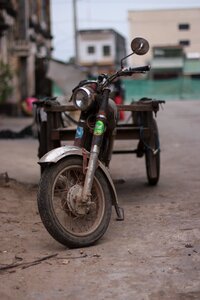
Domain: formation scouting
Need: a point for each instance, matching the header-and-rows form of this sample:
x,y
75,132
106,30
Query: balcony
x,y
21,48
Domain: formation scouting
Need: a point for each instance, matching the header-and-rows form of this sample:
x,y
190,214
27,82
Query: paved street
x,y
154,254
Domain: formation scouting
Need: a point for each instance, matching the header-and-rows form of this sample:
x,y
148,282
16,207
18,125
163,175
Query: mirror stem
x,y
124,59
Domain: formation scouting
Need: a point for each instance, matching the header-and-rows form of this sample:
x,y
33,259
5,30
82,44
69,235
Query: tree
x,y
6,76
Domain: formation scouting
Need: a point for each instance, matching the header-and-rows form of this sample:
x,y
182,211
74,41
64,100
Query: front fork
x,y
97,139
92,165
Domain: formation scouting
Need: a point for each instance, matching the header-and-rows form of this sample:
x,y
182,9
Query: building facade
x,y
100,50
167,29
25,47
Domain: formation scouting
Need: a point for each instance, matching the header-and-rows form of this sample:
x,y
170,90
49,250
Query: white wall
x,y
98,41
160,27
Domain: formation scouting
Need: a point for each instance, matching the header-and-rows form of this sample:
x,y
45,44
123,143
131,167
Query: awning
x,y
168,64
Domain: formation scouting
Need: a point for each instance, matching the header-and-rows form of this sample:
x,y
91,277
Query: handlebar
x,y
126,72
109,79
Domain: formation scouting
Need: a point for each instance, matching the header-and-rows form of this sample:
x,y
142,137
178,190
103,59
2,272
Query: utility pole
x,y
75,32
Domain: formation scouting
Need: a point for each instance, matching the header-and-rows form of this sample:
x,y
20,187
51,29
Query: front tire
x,y
57,184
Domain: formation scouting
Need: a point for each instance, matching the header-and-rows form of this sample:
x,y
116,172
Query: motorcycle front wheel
x,y
57,200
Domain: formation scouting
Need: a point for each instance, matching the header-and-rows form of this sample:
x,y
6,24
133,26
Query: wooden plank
x,y
61,108
125,107
123,133
131,133
135,107
63,134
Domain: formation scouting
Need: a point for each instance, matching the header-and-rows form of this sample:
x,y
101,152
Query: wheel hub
x,y
74,200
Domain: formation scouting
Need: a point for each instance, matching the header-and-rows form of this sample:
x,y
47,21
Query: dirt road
x,y
154,254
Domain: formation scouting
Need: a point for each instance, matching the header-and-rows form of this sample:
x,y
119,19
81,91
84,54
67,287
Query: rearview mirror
x,y
139,46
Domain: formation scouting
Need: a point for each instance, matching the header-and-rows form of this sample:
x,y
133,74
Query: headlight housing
x,y
83,98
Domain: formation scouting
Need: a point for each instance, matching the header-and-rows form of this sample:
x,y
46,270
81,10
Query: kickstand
x,y
119,212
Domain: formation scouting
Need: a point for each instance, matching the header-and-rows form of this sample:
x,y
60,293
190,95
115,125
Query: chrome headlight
x,y
83,98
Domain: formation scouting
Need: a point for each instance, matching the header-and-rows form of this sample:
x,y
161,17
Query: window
x,y
167,52
91,50
158,53
184,26
106,50
184,43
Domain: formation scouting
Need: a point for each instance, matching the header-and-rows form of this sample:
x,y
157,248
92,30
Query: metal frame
x,y
55,133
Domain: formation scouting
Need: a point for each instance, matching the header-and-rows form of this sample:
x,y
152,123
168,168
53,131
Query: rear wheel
x,y
152,155
66,220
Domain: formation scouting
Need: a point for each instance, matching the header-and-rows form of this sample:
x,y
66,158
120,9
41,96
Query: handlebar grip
x,y
140,69
131,71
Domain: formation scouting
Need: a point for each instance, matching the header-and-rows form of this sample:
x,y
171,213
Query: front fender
x,y
57,154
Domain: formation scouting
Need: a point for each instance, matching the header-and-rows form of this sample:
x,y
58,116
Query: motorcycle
x,y
76,192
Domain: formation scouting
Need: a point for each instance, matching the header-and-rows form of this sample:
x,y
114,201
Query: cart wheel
x,y
152,160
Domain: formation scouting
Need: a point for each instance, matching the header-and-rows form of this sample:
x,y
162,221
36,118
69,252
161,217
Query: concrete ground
x,y
19,156
153,254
